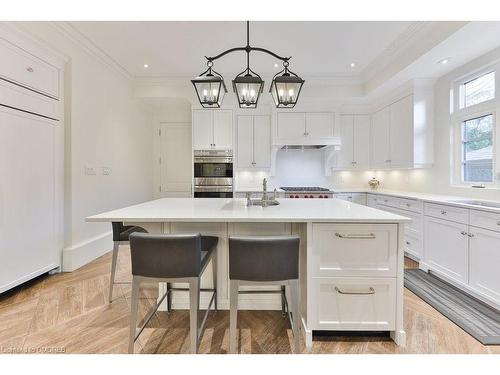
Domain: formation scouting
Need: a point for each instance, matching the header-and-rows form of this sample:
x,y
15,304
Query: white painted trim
x,y
79,254
23,279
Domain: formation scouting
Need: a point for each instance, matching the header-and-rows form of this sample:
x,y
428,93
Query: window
x,y
477,90
477,149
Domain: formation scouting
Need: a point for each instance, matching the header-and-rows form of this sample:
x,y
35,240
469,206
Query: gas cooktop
x,y
303,188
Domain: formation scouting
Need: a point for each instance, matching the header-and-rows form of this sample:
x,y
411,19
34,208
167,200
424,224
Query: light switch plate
x,y
89,170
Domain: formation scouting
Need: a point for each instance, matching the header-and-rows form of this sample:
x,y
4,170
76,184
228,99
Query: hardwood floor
x,y
68,313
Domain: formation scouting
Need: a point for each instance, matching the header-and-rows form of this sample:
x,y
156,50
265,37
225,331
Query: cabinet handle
x,y
370,291
498,222
408,243
470,234
463,233
388,160
253,163
356,236
408,205
30,69
443,212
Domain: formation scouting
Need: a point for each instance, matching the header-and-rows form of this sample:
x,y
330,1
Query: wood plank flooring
x,y
68,313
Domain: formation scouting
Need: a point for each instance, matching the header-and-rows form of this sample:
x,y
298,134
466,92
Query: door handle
x,y
356,236
355,292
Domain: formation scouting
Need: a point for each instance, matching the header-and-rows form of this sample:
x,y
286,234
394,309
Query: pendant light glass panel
x,y
285,90
210,89
248,89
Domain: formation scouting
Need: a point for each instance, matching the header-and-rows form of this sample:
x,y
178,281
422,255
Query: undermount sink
x,y
478,203
260,202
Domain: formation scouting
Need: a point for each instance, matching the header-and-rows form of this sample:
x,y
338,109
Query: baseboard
x,y
84,252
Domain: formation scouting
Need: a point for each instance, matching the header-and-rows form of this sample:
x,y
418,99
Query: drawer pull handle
x,y
463,233
443,212
470,234
30,69
370,291
408,243
498,222
408,205
356,236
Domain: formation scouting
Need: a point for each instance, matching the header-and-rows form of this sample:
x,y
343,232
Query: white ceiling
x,y
177,49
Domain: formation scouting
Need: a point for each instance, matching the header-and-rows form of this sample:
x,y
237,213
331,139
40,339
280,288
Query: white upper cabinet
x,y
319,125
254,141
303,128
291,125
380,139
401,134
354,131
212,129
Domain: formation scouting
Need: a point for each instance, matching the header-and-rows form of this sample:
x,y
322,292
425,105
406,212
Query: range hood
x,y
303,147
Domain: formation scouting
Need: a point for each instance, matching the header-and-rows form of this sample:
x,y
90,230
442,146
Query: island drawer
x,y
354,250
451,213
354,304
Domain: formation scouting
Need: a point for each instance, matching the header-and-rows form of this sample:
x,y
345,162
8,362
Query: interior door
x,y
291,125
223,129
176,160
262,141
361,141
245,142
320,125
379,136
345,156
202,129
447,248
28,243
401,133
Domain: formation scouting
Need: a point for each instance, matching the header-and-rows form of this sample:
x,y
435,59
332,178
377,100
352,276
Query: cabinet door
x,y
345,158
28,242
446,248
223,129
379,136
291,125
245,142
401,133
202,129
361,141
320,125
484,262
176,160
262,141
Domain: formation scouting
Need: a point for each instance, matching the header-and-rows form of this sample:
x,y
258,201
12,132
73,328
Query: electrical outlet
x,y
106,171
89,170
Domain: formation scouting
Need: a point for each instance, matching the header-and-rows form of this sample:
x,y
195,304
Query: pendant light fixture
x,y
210,87
285,88
248,85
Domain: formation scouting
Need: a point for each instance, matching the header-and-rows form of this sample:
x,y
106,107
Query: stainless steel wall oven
x,y
213,174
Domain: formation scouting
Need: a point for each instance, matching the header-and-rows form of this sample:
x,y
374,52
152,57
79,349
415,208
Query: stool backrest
x,y
165,255
269,258
117,229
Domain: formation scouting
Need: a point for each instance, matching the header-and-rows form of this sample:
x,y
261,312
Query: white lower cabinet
x,y
353,304
447,247
484,258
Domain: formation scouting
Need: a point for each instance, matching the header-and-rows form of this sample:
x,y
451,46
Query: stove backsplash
x,y
293,168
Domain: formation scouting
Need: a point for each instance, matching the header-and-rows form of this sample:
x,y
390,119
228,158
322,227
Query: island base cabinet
x,y
353,304
484,255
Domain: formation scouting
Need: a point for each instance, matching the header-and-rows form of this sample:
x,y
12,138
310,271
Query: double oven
x,y
213,173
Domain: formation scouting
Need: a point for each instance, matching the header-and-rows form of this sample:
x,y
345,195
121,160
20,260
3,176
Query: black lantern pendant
x,y
285,88
210,87
248,87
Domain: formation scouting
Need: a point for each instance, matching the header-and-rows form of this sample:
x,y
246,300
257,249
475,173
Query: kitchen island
x,y
351,256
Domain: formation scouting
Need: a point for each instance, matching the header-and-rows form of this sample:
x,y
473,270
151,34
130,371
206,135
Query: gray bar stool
x,y
121,234
172,258
264,261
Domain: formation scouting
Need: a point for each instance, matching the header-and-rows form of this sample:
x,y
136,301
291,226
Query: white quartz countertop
x,y
235,210
450,200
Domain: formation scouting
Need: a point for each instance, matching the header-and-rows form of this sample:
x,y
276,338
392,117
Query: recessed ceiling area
x,y
177,49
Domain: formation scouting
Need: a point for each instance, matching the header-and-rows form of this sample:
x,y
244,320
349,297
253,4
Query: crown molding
x,y
74,35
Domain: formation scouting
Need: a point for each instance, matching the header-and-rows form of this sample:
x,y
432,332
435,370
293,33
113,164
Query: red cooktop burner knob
x,y
291,196
326,196
297,196
320,196
306,196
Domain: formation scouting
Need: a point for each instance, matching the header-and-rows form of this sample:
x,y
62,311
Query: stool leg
x,y
214,278
194,302
233,314
283,304
295,296
116,245
133,314
169,297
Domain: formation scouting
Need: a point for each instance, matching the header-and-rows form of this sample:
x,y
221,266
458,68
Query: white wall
x,y
437,179
105,127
